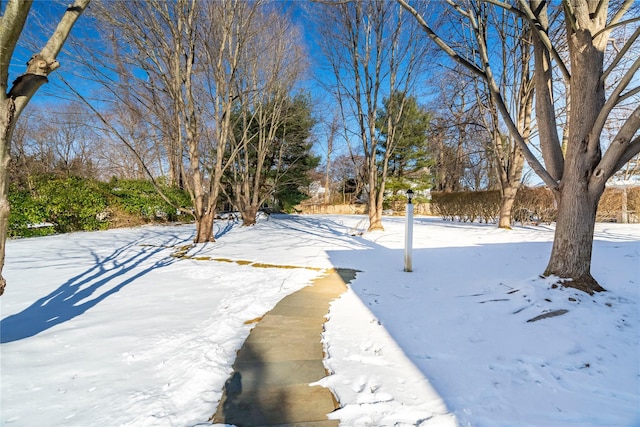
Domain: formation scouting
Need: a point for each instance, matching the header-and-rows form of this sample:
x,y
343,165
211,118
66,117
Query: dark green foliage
x,y
28,215
288,160
410,160
61,205
140,198
297,160
64,204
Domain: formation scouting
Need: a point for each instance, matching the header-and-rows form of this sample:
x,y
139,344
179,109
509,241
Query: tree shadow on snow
x,y
409,304
107,276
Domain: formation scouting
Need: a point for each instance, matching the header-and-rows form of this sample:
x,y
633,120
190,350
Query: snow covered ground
x,y
108,329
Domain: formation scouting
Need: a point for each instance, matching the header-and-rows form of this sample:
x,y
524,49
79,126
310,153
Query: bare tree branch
x,y
11,25
126,142
541,29
440,42
615,20
615,97
621,54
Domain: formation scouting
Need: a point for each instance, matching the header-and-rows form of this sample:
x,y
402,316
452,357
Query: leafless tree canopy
x,y
598,78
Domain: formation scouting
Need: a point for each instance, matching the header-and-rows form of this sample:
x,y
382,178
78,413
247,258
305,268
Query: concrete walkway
x,y
281,356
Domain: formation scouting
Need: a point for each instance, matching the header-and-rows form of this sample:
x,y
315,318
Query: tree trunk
x,y
375,217
573,241
249,214
577,202
6,129
506,204
204,227
375,220
24,87
375,214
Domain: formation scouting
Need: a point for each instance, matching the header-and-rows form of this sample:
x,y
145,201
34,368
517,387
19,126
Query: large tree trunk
x,y
573,241
13,102
577,199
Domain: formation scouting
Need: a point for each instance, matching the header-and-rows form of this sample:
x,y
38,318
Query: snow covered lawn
x,y
108,329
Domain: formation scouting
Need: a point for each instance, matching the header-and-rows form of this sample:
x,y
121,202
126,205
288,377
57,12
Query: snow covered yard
x,y
108,329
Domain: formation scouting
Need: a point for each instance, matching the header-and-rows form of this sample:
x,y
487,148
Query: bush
x,y
140,198
56,205
467,206
611,204
72,204
535,205
28,218
60,205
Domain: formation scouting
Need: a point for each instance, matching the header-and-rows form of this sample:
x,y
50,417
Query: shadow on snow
x,y
107,276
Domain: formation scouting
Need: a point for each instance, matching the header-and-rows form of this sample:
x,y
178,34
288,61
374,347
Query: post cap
x,y
409,195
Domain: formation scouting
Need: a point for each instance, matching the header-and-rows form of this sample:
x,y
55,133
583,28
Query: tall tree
x,y
158,50
14,99
410,159
456,136
514,40
577,174
331,135
372,52
278,173
272,63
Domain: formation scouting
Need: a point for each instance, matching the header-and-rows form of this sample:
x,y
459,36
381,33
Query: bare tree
x,y
577,175
158,52
332,129
14,100
457,135
514,41
372,51
229,25
272,62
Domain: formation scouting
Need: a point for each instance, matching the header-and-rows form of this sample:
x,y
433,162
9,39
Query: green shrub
x,y
60,205
28,217
140,198
72,204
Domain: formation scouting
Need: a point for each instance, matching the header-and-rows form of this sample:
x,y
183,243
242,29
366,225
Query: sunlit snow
x,y
108,329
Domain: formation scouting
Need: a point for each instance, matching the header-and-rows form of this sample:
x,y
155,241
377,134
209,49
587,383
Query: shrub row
x,y
611,204
59,205
467,206
535,205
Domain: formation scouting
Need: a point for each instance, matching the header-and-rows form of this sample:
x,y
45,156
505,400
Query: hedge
x,y
60,205
531,205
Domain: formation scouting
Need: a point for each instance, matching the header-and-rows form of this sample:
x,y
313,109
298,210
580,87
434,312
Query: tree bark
x,y
572,245
506,204
577,200
204,228
24,87
249,214
7,124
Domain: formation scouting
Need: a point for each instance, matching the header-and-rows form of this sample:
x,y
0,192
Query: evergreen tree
x,y
410,160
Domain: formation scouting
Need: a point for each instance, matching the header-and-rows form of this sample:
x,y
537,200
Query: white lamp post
x,y
408,234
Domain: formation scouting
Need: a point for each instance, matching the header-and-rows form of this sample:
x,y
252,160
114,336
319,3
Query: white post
x,y
408,234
